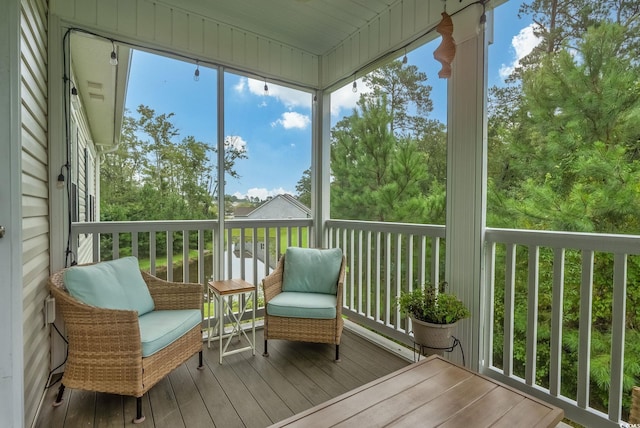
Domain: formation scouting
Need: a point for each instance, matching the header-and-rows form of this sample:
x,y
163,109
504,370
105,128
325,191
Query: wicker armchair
x,y
300,328
104,345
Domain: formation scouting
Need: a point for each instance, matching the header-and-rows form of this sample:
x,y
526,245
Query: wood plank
x,y
192,407
364,398
529,413
81,410
485,411
216,401
285,389
251,414
233,394
130,412
264,395
290,350
109,411
297,376
165,407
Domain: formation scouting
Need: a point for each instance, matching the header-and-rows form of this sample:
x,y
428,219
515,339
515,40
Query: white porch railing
x,y
382,260
546,257
385,258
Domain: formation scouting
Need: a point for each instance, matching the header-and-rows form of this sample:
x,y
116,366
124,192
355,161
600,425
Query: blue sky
x,y
275,127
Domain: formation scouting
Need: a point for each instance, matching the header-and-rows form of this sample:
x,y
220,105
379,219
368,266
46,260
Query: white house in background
x,y
278,207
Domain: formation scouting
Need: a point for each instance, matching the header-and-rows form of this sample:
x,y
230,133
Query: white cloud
x,y
261,193
292,119
289,97
522,43
241,85
344,100
236,142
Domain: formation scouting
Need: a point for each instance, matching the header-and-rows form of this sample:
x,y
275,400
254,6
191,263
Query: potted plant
x,y
434,314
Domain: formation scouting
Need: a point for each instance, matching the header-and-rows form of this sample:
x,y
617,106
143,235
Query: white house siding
x,y
83,175
35,206
191,35
278,207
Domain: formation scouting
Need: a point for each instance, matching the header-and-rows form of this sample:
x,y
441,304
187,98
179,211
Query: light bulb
x,y
196,74
60,182
354,88
405,59
114,58
266,88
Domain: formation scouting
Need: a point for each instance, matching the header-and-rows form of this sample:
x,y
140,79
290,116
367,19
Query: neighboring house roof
x,y
242,211
280,206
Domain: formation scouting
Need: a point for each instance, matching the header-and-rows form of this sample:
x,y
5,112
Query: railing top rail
x,y
599,242
285,222
143,226
437,231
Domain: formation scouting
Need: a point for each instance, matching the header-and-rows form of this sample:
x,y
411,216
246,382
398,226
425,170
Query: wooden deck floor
x,y
245,391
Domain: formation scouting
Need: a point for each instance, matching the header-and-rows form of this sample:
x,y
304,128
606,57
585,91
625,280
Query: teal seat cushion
x,y
294,304
311,270
115,284
159,329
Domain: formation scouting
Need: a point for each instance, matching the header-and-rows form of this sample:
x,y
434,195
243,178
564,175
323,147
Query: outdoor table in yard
x,y
431,392
224,292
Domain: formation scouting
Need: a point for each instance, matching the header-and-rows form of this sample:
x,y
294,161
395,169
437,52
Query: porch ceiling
x,y
314,26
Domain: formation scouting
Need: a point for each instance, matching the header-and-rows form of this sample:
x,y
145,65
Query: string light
x,y
60,181
266,88
354,88
196,74
405,59
114,57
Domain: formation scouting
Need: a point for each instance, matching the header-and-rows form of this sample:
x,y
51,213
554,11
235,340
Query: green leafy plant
x,y
432,304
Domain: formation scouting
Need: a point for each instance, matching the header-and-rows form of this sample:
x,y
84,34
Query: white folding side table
x,y
224,291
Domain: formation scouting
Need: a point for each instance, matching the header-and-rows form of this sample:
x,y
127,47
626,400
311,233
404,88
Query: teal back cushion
x,y
311,270
115,284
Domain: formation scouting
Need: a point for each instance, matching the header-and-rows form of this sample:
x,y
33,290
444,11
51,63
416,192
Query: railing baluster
x,y
169,235
584,335
619,314
152,252
115,246
185,256
359,281
378,270
398,275
387,282
134,244
509,303
532,316
556,321
368,274
201,248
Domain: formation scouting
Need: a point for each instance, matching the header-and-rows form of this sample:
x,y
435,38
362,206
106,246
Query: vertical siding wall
x,y
192,35
35,208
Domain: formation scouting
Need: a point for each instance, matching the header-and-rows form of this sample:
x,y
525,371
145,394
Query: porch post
x,y
466,176
320,157
11,313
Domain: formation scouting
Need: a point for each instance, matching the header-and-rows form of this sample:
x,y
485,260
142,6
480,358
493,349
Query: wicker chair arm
x,y
174,295
98,330
272,284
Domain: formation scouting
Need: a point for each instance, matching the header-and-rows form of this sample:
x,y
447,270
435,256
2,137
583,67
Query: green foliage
x,y
155,175
432,305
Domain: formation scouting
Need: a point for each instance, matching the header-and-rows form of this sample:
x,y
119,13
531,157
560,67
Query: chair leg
x,y
200,365
139,416
265,353
59,396
337,353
